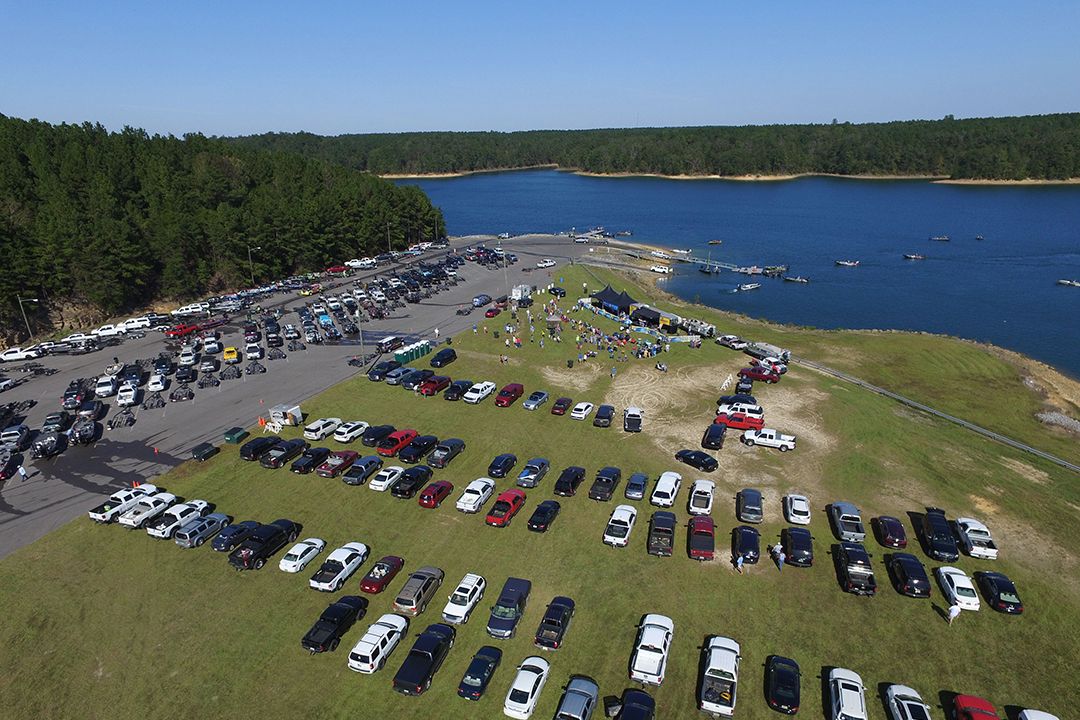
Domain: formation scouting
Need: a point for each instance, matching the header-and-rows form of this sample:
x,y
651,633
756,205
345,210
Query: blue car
x,y
228,539
476,678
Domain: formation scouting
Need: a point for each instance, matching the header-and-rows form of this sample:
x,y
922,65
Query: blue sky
x,y
245,67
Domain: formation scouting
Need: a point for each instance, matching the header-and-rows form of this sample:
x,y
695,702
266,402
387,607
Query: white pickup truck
x,y
975,539
719,677
769,438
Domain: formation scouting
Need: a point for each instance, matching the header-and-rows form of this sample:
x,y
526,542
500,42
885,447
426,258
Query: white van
x,y
106,386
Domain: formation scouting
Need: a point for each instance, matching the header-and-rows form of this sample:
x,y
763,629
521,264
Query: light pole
x,y
388,236
251,263
29,333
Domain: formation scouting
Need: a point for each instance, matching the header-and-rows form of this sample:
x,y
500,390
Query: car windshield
x,y
965,591
700,500
618,529
1009,596
519,696
503,612
459,599
500,508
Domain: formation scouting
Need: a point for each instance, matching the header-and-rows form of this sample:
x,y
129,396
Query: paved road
x,y
63,488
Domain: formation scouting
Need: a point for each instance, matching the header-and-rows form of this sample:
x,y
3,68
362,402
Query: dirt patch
x,y
579,378
1028,472
983,506
1059,391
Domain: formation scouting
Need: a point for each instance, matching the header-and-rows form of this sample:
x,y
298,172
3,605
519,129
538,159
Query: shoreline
x,y
934,179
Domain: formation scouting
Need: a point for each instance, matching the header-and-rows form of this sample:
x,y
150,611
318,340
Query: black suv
x,y
568,481
443,358
938,536
502,465
604,415
375,434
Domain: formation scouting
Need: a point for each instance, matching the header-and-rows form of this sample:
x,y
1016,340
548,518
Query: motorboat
x,y
48,445
848,263
940,238
749,286
1070,283
716,242
914,256
681,252
796,279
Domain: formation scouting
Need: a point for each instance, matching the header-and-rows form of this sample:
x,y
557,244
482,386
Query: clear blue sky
x,y
226,68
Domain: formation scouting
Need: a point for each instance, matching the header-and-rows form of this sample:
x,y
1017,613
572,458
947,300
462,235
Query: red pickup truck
x,y
740,421
760,373
180,331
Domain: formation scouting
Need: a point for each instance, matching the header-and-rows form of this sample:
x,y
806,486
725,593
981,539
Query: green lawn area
x,y
100,622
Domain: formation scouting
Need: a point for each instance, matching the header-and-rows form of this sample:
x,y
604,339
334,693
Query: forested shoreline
x,y
113,221
1041,147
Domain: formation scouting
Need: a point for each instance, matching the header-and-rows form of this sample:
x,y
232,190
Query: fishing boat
x,y
749,286
978,237
796,278
775,270
848,263
1070,283
940,238
716,242
681,252
709,269
914,256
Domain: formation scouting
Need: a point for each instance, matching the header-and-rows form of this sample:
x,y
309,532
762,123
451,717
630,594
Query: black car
x,y
359,472
782,677
374,434
477,676
568,481
854,568
232,535
56,422
501,465
263,543
418,448
908,575
557,291
636,705
411,481
280,454
457,389
185,374
74,396
312,458
378,373
92,409
424,659
163,366
999,592
746,541
744,386
445,451
443,358
738,398
938,536
544,514
697,459
334,622
603,487
713,439
255,449
604,415
414,379
798,546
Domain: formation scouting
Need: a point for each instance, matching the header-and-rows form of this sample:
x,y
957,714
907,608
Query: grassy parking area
x,y
100,622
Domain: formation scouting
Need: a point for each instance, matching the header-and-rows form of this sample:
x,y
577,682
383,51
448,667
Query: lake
x,y
1001,289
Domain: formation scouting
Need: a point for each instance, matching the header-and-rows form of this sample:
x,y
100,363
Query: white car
x,y
166,524
371,652
349,431
754,411
253,351
905,704
120,502
127,396
617,532
158,383
476,495
338,566
211,347
701,497
16,354
957,587
187,358
524,693
797,509
667,487
581,411
463,600
110,330
106,386
847,699
386,478
662,269
321,428
301,554
648,663
545,263
146,509
478,392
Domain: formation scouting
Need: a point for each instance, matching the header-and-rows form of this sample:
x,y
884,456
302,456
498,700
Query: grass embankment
x,y
104,623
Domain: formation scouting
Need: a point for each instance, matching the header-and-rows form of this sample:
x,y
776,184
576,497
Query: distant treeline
x,y
115,220
1011,148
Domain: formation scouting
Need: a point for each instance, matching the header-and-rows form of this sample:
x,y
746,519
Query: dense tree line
x,y
115,220
1012,148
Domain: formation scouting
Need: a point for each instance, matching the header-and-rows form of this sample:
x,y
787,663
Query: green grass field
x,y
100,622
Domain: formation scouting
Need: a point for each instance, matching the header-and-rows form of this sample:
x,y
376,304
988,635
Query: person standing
x,y
739,563
954,612
780,558
22,473
436,334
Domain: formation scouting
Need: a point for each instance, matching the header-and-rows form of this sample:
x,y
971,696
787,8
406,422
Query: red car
x,y
211,324
505,508
337,463
509,395
336,270
180,331
701,537
435,493
381,574
492,312
890,531
561,406
969,707
740,421
760,373
434,384
392,443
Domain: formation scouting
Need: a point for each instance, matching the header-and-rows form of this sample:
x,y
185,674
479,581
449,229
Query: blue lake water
x,y
1001,289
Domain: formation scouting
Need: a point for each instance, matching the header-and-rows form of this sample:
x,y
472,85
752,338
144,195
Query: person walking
x,y
739,563
22,473
780,558
436,334
954,612
612,372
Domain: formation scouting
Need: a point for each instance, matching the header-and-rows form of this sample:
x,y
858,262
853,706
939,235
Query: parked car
x,y
701,538
535,400
524,692
908,575
390,445
418,591
457,389
232,536
395,376
311,458
856,572
713,438
847,699
508,609
975,539
386,478
165,525
768,437
798,546
463,600
479,673
339,567
749,505
373,649
255,448
146,509
619,526
337,463
411,481
346,432
648,661
698,460
636,485
381,574
889,531
200,529
322,428
999,591
759,373
666,490
635,705
700,501
381,370
281,453
434,385
544,514
334,622
506,506
718,686
581,411
605,414
971,707
262,543
632,417
424,659
443,358
746,542
415,379
938,536
119,502
433,495
478,392
375,434
737,420
846,522
362,469
957,587
560,406
417,448
782,681
509,395
797,509
502,465
300,554
569,480
603,487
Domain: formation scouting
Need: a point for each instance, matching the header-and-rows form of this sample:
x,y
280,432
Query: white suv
x,y
478,392
667,487
464,599
321,428
847,699
371,652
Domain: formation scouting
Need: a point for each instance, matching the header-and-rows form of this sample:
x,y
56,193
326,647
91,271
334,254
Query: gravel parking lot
x,y
62,488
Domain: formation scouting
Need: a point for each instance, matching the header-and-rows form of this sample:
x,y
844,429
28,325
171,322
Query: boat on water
x,y
848,263
751,270
709,269
1070,283
716,242
940,238
978,237
749,286
681,252
796,279
914,256
623,233
775,270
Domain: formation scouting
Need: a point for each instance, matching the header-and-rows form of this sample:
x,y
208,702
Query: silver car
x,y
579,700
535,400
199,530
395,376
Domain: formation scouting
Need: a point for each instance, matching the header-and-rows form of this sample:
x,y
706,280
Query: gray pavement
x,y
63,488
